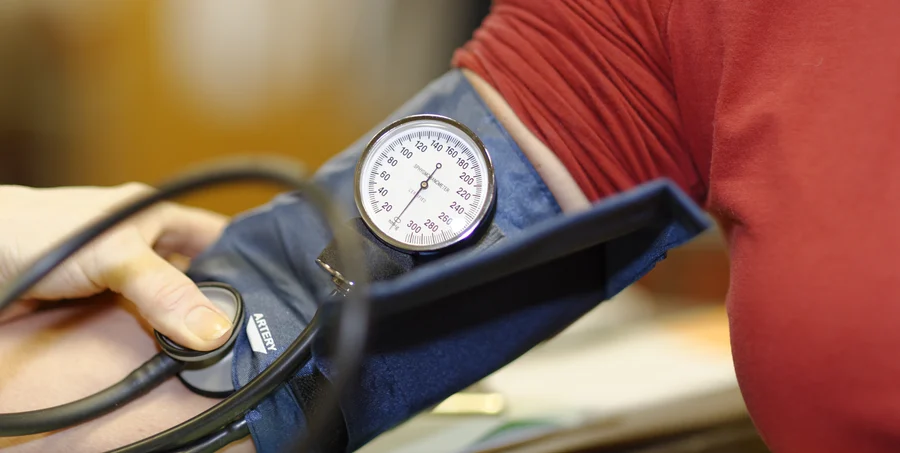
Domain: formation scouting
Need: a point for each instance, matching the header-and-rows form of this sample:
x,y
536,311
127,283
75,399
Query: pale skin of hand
x,y
81,340
70,357
130,259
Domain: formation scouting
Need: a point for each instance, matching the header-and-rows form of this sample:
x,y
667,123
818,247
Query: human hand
x,y
131,259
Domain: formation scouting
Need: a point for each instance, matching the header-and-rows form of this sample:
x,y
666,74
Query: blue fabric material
x,y
423,353
478,319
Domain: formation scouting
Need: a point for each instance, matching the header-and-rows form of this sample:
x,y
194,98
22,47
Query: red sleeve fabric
x,y
592,80
779,116
799,102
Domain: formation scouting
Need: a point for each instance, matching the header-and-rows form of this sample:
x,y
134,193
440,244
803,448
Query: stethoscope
x,y
424,187
224,422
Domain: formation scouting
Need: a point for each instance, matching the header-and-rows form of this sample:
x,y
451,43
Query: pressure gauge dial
x,y
424,183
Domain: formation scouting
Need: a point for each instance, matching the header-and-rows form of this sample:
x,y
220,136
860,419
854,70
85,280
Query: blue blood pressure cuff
x,y
441,326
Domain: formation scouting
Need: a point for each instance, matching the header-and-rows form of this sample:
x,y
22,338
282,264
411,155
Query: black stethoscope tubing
x,y
140,381
223,423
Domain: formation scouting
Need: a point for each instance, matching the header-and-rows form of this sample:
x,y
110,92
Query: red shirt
x,y
781,118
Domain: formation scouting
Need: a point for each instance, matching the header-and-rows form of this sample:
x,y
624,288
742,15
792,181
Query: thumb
x,y
170,301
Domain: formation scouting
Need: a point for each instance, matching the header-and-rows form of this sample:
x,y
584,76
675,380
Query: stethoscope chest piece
x,y
208,373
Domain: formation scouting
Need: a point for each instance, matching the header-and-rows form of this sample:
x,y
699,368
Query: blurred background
x,y
103,92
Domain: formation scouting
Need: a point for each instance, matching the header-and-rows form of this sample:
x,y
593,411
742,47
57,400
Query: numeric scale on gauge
x,y
423,183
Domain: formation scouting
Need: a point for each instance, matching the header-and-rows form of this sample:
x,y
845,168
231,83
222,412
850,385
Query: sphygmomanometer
x,y
416,262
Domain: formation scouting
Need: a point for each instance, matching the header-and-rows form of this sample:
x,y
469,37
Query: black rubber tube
x,y
235,406
353,322
140,381
234,432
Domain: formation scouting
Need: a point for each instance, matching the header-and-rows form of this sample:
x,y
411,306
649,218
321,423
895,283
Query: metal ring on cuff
x,y
210,289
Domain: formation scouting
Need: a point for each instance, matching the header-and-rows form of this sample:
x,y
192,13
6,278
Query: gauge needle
x,y
422,186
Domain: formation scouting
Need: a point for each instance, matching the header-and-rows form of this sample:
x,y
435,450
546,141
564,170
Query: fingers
x,y
186,230
175,228
168,299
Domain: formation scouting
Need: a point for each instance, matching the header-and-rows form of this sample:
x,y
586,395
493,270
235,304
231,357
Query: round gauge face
x,y
424,183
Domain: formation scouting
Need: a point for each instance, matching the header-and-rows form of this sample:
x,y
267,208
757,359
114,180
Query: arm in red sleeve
x,y
780,117
592,81
799,102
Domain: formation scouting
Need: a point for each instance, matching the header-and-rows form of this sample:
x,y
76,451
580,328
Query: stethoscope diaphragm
x,y
208,373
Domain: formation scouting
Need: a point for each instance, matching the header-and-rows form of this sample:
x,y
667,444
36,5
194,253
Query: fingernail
x,y
206,323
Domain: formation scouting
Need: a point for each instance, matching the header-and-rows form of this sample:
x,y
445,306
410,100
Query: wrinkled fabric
x,y
421,353
781,118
